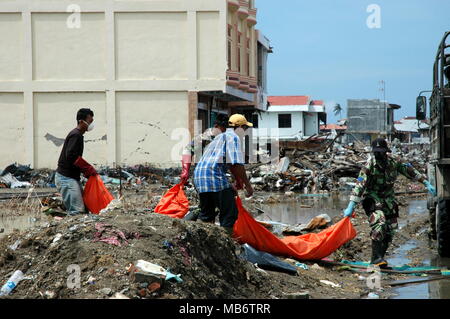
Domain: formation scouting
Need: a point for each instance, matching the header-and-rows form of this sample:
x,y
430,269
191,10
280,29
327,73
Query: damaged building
x,y
369,119
146,68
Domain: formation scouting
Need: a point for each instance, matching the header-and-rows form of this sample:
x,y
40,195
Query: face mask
x,y
90,126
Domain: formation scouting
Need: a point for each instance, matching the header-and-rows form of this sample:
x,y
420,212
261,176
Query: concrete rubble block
x,y
283,165
143,271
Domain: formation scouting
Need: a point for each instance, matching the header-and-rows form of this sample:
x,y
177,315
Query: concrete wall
x,y
366,116
130,61
12,141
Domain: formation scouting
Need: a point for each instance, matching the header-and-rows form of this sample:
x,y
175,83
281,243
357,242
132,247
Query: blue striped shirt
x,y
210,172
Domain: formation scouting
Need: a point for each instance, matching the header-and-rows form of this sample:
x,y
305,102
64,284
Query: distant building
x,y
411,130
294,117
369,119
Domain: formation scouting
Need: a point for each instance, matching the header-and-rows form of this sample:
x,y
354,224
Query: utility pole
x,y
383,90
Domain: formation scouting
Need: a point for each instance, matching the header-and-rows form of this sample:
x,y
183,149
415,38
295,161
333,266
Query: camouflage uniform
x,y
377,185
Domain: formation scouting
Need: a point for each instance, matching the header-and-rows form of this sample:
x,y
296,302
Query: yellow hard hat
x,y
238,120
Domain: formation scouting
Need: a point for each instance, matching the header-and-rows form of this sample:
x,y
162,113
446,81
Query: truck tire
x,y
443,227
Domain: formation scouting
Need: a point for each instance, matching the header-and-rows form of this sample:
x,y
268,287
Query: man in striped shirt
x,y
210,179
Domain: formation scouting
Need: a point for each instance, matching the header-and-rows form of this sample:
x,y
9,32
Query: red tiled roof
x,y
318,102
333,127
288,100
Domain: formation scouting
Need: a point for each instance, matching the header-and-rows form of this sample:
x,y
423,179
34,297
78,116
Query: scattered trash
x,y
91,280
266,260
15,245
11,182
373,296
105,233
302,266
318,222
167,244
12,283
329,283
143,271
114,204
57,238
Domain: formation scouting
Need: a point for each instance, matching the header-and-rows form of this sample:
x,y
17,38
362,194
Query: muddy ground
x,y
207,259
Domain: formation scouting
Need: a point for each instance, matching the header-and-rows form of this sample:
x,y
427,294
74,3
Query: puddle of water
x,y
18,222
400,254
417,207
293,213
419,291
431,290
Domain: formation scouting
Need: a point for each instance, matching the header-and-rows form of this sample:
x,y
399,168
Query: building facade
x,y
411,130
148,70
369,119
293,118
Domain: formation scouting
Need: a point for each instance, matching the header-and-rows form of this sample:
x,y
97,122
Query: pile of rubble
x,y
313,172
310,172
22,176
116,255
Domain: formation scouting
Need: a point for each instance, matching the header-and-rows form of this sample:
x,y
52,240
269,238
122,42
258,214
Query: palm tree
x,y
338,110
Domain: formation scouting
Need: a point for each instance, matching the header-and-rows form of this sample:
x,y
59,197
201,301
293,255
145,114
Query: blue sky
x,y
324,49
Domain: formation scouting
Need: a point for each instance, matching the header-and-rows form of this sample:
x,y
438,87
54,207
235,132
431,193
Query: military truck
x,y
439,164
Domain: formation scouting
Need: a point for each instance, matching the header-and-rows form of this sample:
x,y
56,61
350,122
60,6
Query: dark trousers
x,y
224,201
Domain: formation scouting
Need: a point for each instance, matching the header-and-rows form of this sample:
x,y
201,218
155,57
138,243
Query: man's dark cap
x,y
380,145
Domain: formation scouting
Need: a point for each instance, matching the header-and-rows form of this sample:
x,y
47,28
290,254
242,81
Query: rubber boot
x,y
378,250
386,244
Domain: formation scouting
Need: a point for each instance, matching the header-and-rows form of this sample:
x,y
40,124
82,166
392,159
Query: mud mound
x,y
203,254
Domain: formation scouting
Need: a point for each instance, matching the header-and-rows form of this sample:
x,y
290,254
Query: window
x,y
248,58
239,52
255,119
230,45
284,121
229,54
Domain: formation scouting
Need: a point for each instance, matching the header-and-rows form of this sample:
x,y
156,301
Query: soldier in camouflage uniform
x,y
375,189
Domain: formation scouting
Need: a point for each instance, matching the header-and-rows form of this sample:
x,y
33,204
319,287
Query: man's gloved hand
x,y
87,169
186,165
349,211
430,188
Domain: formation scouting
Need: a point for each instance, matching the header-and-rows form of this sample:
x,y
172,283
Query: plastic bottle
x,y
12,283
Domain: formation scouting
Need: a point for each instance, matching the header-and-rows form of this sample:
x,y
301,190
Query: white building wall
x,y
269,121
128,61
304,124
